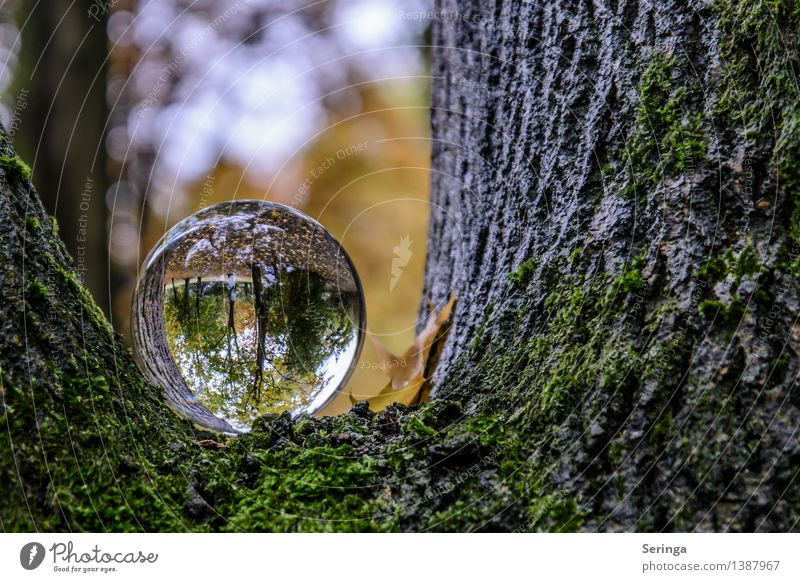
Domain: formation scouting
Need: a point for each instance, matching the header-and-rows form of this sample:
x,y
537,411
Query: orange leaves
x,y
410,373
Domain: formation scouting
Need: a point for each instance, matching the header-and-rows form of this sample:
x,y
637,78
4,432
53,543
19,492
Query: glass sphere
x,y
247,308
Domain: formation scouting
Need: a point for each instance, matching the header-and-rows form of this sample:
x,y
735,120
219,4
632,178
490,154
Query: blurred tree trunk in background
x,y
63,68
616,207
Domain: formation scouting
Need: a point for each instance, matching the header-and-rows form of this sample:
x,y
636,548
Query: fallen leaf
x,y
410,373
211,444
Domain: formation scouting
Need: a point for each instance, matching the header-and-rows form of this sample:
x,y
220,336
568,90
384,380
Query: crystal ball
x,y
247,308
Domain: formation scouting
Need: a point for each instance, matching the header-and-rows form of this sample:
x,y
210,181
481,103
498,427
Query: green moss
x,y
761,295
572,352
550,375
555,512
631,279
84,490
710,307
663,426
89,308
725,314
523,274
575,256
489,431
737,266
668,136
758,95
479,333
415,426
713,269
309,489
14,166
37,290
32,223
748,263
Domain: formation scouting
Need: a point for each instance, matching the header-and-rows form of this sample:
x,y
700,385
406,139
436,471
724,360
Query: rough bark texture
x,y
615,189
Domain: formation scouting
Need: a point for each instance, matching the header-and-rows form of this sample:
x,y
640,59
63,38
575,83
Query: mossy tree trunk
x,y
615,206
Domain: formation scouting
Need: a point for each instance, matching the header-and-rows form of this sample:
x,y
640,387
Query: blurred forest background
x,y
134,114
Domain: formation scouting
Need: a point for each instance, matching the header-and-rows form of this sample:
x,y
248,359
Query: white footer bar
x,y
402,557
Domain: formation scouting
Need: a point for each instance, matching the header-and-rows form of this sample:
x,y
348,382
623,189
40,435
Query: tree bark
x,y
615,192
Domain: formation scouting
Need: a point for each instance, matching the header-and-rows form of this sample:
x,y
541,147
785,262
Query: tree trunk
x,y
63,72
615,207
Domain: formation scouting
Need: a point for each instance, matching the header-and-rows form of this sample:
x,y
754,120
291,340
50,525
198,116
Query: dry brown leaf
x,y
211,444
409,374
